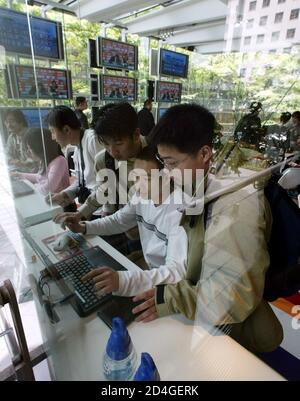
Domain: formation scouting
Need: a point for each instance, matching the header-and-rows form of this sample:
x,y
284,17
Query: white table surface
x,y
33,209
180,350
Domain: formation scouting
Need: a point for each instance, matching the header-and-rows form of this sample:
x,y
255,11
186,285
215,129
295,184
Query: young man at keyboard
x,y
154,210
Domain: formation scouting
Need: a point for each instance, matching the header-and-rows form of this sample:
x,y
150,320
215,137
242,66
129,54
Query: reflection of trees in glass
x,y
213,81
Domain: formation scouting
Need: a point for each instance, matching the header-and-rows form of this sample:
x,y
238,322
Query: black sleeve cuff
x,y
160,289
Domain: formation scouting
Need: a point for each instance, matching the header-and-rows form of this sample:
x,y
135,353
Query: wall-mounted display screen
x,y
52,83
118,88
168,92
173,64
118,55
46,35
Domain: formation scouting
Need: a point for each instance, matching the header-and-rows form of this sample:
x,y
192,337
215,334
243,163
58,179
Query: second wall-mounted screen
x,y
168,92
173,64
118,88
51,83
115,54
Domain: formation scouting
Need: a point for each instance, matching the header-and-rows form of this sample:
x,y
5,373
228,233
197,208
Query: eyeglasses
x,y
170,165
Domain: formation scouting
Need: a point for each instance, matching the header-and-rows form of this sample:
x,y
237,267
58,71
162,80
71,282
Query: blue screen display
x,y
14,34
33,117
161,112
173,63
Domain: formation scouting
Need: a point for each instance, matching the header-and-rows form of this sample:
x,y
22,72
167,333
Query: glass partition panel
x,y
241,64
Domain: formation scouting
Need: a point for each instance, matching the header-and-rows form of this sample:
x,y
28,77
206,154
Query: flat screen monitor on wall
x,y
15,38
52,83
118,88
173,64
168,92
117,55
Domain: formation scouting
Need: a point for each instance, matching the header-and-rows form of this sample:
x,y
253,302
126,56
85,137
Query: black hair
x,y
18,116
296,114
100,113
255,106
117,122
187,127
147,102
34,138
79,100
285,117
60,116
149,154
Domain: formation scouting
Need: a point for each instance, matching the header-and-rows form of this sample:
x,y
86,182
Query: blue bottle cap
x,y
119,344
147,370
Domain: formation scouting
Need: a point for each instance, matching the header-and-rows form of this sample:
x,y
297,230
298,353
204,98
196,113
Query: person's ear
x,y
66,130
205,153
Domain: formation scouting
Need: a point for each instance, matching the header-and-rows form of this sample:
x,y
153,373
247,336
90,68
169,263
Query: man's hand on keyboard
x,y
62,199
105,279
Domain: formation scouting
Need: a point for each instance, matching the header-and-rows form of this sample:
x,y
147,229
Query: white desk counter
x,y
33,209
180,350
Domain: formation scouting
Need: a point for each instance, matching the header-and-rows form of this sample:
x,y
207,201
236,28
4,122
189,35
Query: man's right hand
x,y
62,199
71,220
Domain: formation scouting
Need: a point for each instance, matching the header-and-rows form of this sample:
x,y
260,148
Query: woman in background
x,y
53,175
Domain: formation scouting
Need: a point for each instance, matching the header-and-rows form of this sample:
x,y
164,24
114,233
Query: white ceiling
x,y
182,23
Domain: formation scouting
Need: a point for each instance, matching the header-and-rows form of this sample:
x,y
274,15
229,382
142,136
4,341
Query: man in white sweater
x,y
164,242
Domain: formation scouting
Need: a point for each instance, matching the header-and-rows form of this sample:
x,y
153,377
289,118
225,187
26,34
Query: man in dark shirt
x,y
145,118
81,104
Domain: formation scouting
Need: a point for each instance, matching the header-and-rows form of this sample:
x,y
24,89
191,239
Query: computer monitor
x,y
35,116
160,112
168,92
31,114
173,64
117,55
115,88
52,83
15,35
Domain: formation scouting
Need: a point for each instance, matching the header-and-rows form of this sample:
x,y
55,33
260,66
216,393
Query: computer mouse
x,y
62,243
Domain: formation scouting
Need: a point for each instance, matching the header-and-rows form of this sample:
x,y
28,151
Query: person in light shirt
x,y
155,210
53,175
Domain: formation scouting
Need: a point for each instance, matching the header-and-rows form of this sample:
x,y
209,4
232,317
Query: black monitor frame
x,y
92,53
114,67
59,37
121,77
13,88
161,72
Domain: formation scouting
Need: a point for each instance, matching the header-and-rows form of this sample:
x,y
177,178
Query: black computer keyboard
x,y
20,188
69,272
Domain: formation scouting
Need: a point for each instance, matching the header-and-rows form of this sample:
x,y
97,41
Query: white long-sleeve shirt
x,y
164,242
90,147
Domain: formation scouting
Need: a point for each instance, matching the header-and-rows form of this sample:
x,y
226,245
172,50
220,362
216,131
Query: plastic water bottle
x,y
119,360
147,370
